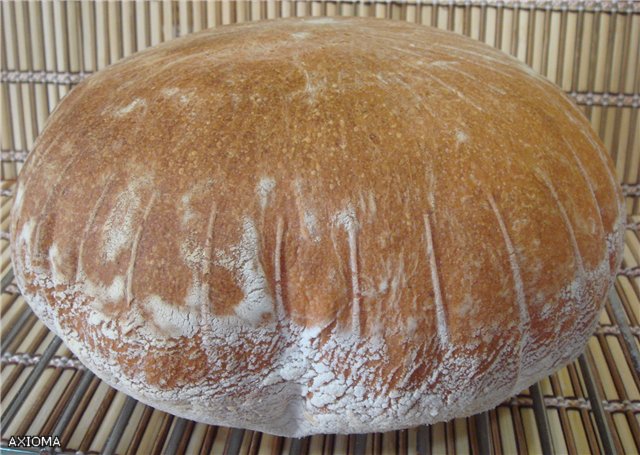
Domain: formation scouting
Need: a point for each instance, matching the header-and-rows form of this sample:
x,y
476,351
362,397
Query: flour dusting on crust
x,y
244,260
305,389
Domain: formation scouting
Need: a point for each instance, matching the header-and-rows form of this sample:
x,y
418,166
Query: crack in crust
x,y
565,219
355,279
278,258
134,250
441,315
89,224
589,183
525,320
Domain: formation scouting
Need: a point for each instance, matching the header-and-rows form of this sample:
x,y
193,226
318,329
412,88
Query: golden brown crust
x,y
376,223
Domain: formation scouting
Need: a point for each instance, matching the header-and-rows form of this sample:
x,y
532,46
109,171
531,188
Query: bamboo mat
x,y
591,49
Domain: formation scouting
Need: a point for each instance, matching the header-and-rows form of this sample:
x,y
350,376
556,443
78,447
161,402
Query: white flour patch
x,y
244,260
263,190
311,225
411,326
56,261
171,321
180,95
367,205
346,218
193,253
187,212
17,203
105,323
308,220
26,233
133,320
300,35
170,92
197,295
115,291
372,205
137,103
112,292
383,286
615,240
119,228
461,137
189,215
97,318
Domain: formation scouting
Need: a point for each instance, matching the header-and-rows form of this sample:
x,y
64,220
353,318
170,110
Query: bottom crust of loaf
x,y
286,409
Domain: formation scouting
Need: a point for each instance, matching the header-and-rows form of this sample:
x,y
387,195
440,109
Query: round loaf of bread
x,y
318,225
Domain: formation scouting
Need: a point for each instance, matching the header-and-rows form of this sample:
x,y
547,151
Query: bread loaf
x,y
318,225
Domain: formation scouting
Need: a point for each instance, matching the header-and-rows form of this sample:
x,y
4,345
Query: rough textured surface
x,y
322,225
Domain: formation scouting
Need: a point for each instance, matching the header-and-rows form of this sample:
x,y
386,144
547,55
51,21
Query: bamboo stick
x,y
198,15
142,24
168,28
10,55
155,23
27,92
61,39
129,32
115,31
102,35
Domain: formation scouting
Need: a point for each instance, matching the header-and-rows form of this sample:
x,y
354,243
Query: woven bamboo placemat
x,y
591,49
